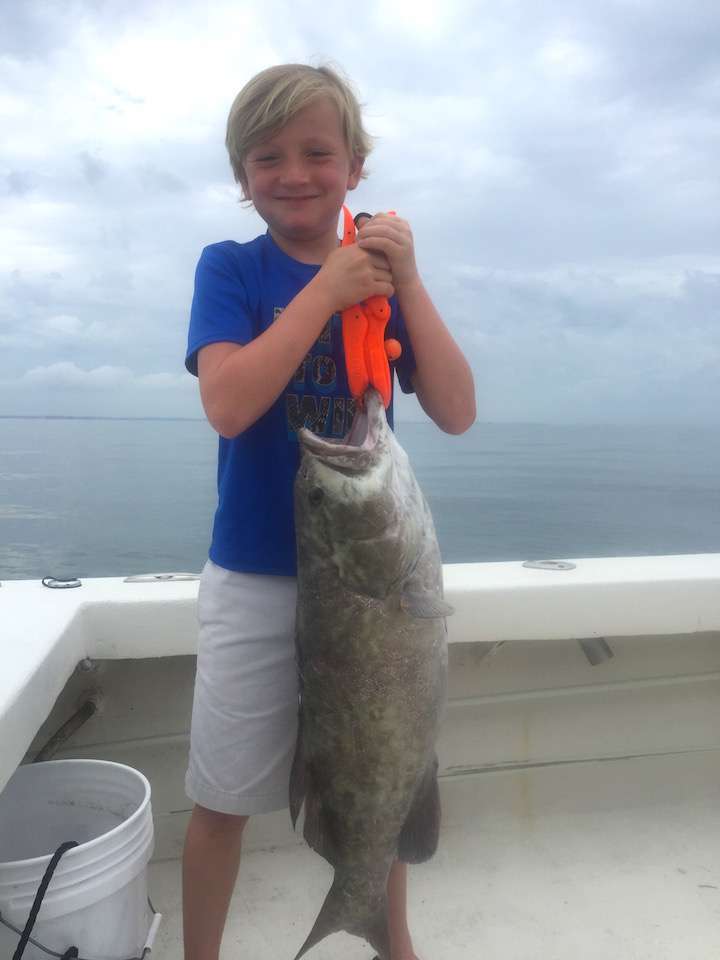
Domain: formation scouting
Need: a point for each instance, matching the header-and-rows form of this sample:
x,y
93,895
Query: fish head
x,y
358,505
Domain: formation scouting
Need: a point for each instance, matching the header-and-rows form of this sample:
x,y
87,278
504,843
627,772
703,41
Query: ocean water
x,y
118,497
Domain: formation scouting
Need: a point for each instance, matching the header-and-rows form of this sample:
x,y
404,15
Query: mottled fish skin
x,y
372,657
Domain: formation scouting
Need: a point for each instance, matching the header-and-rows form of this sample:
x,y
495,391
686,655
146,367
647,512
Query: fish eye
x,y
316,496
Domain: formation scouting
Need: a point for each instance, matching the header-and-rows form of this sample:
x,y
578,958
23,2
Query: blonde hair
x,y
274,96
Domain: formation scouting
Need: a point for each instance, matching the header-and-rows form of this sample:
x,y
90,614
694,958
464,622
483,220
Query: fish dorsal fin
x,y
424,604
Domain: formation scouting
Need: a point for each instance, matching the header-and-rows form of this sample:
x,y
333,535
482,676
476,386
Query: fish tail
x,y
339,912
376,932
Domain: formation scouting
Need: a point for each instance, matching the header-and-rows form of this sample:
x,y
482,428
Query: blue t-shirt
x,y
239,290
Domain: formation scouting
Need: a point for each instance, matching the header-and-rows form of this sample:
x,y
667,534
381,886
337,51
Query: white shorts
x,y
244,718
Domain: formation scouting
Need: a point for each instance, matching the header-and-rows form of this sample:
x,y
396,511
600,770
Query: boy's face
x,y
298,177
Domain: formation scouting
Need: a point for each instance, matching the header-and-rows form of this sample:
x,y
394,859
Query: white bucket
x,y
97,898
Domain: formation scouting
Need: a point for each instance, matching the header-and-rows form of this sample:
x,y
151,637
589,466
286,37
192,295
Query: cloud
x,y
69,329
557,163
68,375
19,183
154,179
64,325
568,58
94,170
591,345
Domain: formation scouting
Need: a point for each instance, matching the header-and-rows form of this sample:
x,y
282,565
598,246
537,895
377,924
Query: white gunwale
x,y
46,633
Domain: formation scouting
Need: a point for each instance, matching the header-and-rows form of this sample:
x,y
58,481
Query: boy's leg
x,y
210,864
400,941
242,736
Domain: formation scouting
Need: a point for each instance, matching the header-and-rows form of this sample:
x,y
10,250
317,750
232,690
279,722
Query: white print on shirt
x,y
311,399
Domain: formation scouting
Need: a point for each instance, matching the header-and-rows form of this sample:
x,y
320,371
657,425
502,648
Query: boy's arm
x,y
443,379
238,384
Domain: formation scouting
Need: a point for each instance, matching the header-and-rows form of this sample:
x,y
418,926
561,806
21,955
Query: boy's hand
x,y
391,236
350,275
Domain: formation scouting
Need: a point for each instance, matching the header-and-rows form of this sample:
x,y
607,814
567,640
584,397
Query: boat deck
x,y
587,861
580,795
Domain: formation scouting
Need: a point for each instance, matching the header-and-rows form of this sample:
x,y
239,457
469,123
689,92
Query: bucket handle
x,y
71,953
37,902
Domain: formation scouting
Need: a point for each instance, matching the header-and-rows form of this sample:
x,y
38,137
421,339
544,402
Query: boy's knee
x,y
225,824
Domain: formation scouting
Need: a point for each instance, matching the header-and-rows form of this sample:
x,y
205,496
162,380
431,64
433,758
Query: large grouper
x,y
372,660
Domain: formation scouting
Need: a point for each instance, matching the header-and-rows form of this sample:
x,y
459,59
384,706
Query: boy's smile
x,y
297,180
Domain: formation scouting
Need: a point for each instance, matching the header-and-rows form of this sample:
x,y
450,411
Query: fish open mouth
x,y
362,438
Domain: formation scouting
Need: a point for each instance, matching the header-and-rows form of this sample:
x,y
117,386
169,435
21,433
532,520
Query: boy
x,y
265,342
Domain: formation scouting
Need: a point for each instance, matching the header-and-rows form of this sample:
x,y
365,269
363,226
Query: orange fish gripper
x,y
367,352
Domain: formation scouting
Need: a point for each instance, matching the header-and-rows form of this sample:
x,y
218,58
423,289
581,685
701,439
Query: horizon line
x,y
398,420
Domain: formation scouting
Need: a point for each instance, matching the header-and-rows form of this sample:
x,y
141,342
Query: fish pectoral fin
x,y
418,838
316,829
424,604
297,774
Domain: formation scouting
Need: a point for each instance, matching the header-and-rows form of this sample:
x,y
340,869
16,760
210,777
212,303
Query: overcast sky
x,y
558,163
